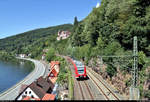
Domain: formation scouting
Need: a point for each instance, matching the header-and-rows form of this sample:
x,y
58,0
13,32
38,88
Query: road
x,y
12,93
47,70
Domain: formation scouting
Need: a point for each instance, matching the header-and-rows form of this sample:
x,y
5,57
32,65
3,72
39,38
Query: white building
x,y
43,57
22,55
63,35
37,89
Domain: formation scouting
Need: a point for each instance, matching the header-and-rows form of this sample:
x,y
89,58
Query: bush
x,y
50,54
147,94
111,70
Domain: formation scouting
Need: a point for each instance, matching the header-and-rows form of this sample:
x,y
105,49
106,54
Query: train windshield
x,y
79,64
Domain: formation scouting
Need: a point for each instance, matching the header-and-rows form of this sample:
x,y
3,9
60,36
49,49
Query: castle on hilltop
x,y
63,35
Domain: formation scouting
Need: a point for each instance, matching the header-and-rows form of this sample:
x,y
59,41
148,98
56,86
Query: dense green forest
x,y
107,30
22,43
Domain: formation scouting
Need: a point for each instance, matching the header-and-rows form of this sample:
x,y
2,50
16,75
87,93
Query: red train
x,y
80,69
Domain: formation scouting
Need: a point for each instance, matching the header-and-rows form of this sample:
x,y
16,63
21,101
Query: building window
x,y
25,92
32,96
29,92
23,96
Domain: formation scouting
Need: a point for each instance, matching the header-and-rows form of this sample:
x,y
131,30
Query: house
x,y
46,97
45,50
55,65
38,90
53,74
63,35
22,55
43,57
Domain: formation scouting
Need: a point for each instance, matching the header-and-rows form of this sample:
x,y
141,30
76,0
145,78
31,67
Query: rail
x,y
96,82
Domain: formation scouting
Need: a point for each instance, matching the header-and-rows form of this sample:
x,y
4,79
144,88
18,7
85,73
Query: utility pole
x,y
134,91
101,63
135,65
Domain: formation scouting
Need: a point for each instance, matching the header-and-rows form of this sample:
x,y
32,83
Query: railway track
x,y
85,90
87,87
81,91
109,95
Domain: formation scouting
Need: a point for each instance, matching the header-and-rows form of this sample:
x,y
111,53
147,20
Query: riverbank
x,y
12,92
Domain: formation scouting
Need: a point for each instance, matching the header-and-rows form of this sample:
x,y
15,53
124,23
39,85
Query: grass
x,y
70,85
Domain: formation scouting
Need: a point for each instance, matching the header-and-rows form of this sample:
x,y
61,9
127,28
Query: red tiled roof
x,y
53,79
53,63
49,97
54,72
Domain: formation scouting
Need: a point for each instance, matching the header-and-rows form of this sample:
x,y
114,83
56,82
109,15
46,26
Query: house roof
x,y
23,87
53,63
40,87
54,72
37,90
49,97
44,83
53,79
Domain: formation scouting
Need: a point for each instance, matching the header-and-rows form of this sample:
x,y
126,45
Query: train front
x,y
80,70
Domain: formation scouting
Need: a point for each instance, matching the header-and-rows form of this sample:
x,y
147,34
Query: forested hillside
x,y
116,21
21,42
107,30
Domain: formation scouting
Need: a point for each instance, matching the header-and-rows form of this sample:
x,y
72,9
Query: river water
x,y
12,73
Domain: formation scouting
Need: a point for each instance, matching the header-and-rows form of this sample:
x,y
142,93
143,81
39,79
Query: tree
x,y
50,54
75,22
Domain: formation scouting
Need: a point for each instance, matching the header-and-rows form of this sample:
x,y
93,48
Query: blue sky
x,y
17,16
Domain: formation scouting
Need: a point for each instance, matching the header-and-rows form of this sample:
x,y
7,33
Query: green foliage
x,y
107,30
32,41
63,74
141,90
4,56
111,70
128,82
142,59
71,85
50,54
147,94
75,22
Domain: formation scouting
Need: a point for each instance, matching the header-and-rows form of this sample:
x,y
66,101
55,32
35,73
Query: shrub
x,y
50,54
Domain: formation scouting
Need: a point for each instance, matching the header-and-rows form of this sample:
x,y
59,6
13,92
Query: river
x,y
12,73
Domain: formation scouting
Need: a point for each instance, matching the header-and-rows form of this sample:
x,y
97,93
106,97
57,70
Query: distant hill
x,y
20,41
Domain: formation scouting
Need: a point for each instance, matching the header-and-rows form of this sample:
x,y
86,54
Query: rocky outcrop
x,y
118,81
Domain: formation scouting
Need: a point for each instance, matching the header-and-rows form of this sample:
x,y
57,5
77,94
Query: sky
x,y
18,16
